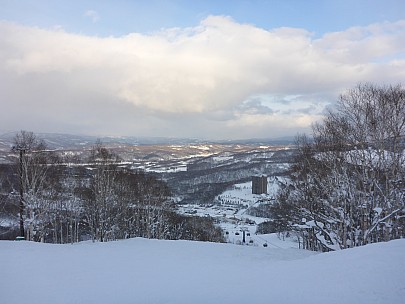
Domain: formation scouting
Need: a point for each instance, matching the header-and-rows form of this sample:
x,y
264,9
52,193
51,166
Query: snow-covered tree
x,y
348,182
36,182
102,202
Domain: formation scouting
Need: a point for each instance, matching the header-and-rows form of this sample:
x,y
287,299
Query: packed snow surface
x,y
154,271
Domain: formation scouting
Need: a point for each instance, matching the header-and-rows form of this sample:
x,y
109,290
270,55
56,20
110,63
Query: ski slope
x,y
154,271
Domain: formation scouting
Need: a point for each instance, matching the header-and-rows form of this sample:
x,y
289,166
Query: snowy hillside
x,y
152,271
231,212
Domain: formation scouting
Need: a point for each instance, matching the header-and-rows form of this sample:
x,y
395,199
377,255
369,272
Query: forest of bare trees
x,y
97,198
347,186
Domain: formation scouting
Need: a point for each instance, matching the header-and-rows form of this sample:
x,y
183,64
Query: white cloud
x,y
209,72
93,15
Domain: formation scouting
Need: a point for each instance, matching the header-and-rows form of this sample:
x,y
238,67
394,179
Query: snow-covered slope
x,y
152,271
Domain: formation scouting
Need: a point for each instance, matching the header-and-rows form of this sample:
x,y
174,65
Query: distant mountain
x,y
286,140
53,140
70,141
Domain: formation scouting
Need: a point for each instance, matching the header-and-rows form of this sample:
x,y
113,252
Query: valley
x,y
205,179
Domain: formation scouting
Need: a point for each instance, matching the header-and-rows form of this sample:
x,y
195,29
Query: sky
x,y
224,69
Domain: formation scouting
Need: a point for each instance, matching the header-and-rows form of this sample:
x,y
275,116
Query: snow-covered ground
x,y
153,271
230,209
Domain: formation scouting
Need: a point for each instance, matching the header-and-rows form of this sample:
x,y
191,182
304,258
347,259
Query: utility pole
x,y
21,149
22,234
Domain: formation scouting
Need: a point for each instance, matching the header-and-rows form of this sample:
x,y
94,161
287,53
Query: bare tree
x,y
32,168
102,202
349,181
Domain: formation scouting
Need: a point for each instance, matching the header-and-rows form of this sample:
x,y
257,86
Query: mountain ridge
x,y
66,140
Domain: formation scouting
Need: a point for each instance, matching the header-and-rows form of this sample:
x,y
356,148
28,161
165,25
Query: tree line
x,y
347,183
96,198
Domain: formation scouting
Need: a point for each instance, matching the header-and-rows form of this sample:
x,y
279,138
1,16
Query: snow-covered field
x,y
153,271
